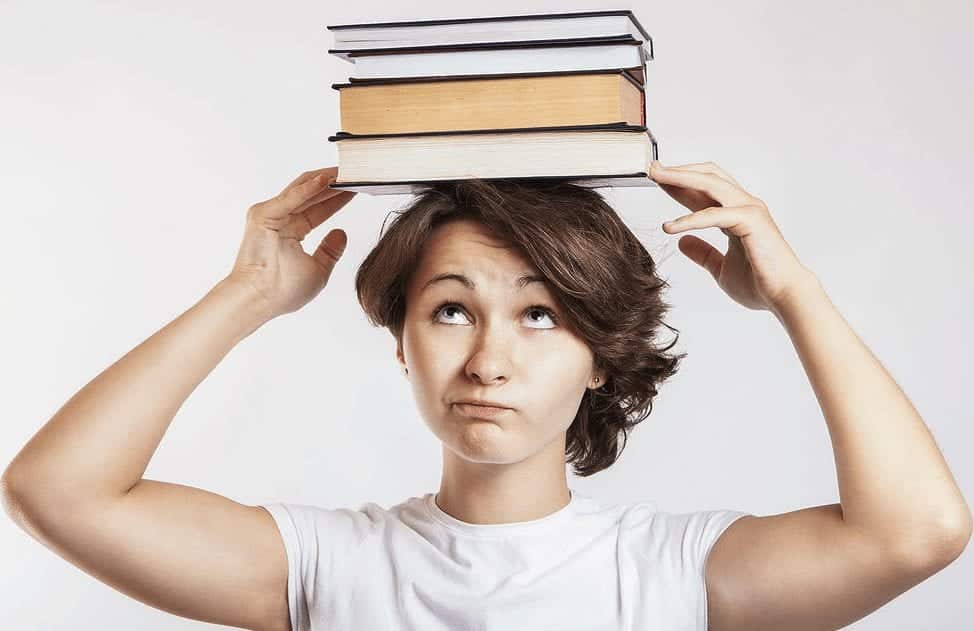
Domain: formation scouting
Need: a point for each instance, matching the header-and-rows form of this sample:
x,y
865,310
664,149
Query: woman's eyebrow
x,y
521,282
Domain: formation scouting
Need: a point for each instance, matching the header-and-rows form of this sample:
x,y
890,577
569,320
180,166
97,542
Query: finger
x,y
291,198
330,250
707,167
722,191
313,216
694,200
703,254
735,220
310,174
319,197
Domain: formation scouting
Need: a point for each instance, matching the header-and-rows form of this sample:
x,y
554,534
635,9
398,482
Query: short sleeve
x,y
697,533
296,525
325,551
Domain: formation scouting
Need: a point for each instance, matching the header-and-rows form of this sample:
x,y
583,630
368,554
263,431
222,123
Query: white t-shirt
x,y
413,566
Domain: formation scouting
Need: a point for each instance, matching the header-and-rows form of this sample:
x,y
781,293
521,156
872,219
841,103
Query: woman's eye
x,y
531,312
444,308
544,311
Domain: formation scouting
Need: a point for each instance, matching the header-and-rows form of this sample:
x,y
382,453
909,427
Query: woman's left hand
x,y
759,270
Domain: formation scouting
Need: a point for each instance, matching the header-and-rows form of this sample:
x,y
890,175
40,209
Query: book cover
x,y
499,18
412,187
349,54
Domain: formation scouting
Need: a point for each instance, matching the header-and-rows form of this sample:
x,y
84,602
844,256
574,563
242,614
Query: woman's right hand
x,y
272,261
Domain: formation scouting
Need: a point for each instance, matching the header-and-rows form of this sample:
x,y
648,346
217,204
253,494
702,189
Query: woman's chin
x,y
481,440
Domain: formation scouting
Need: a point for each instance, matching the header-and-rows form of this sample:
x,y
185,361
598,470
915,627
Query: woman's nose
x,y
491,359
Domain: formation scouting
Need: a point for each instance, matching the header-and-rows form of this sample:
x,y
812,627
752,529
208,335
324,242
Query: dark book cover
x,y
499,18
617,126
410,187
356,81
349,53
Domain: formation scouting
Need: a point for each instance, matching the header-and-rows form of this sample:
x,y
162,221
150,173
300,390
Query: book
x,y
596,155
499,58
549,26
413,187
553,99
637,73
534,97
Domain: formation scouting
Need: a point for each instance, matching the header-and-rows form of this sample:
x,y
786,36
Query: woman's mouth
x,y
482,411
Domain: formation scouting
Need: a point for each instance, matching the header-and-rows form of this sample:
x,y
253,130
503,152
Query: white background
x,y
134,136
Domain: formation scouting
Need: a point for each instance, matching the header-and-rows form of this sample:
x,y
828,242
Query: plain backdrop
x,y
135,135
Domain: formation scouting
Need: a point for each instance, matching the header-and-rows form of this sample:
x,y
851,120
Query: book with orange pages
x,y
457,103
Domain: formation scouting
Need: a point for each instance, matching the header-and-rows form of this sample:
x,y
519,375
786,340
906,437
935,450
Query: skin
x,y
178,548
490,344
901,516
196,554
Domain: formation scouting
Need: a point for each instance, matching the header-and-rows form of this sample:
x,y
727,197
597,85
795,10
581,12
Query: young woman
x,y
525,318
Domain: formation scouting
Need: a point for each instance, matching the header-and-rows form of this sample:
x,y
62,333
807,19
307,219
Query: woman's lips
x,y
469,409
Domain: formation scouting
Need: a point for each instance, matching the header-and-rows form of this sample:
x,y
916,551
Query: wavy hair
x,y
602,276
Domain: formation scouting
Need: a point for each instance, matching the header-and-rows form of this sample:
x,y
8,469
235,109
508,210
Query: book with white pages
x,y
508,58
533,27
602,155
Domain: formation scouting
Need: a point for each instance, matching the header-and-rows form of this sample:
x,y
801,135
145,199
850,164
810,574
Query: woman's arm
x,y
901,517
100,442
894,483
77,485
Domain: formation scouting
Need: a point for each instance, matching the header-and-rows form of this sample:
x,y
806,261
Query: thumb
x,y
330,250
702,253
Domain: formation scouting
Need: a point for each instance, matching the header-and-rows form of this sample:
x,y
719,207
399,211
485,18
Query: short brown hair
x,y
603,278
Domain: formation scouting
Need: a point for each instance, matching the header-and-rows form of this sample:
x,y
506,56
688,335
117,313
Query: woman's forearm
x,y
100,442
894,484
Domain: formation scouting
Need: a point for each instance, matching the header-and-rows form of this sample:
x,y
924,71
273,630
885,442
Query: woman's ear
x,y
401,358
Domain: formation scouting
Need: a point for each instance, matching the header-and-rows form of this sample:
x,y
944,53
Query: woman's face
x,y
493,341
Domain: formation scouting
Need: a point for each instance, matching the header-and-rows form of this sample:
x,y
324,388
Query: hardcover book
x,y
589,155
523,28
390,106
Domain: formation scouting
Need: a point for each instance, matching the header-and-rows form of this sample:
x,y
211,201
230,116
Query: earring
x,y
407,370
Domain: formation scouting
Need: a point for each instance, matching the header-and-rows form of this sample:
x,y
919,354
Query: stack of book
x,y
551,96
